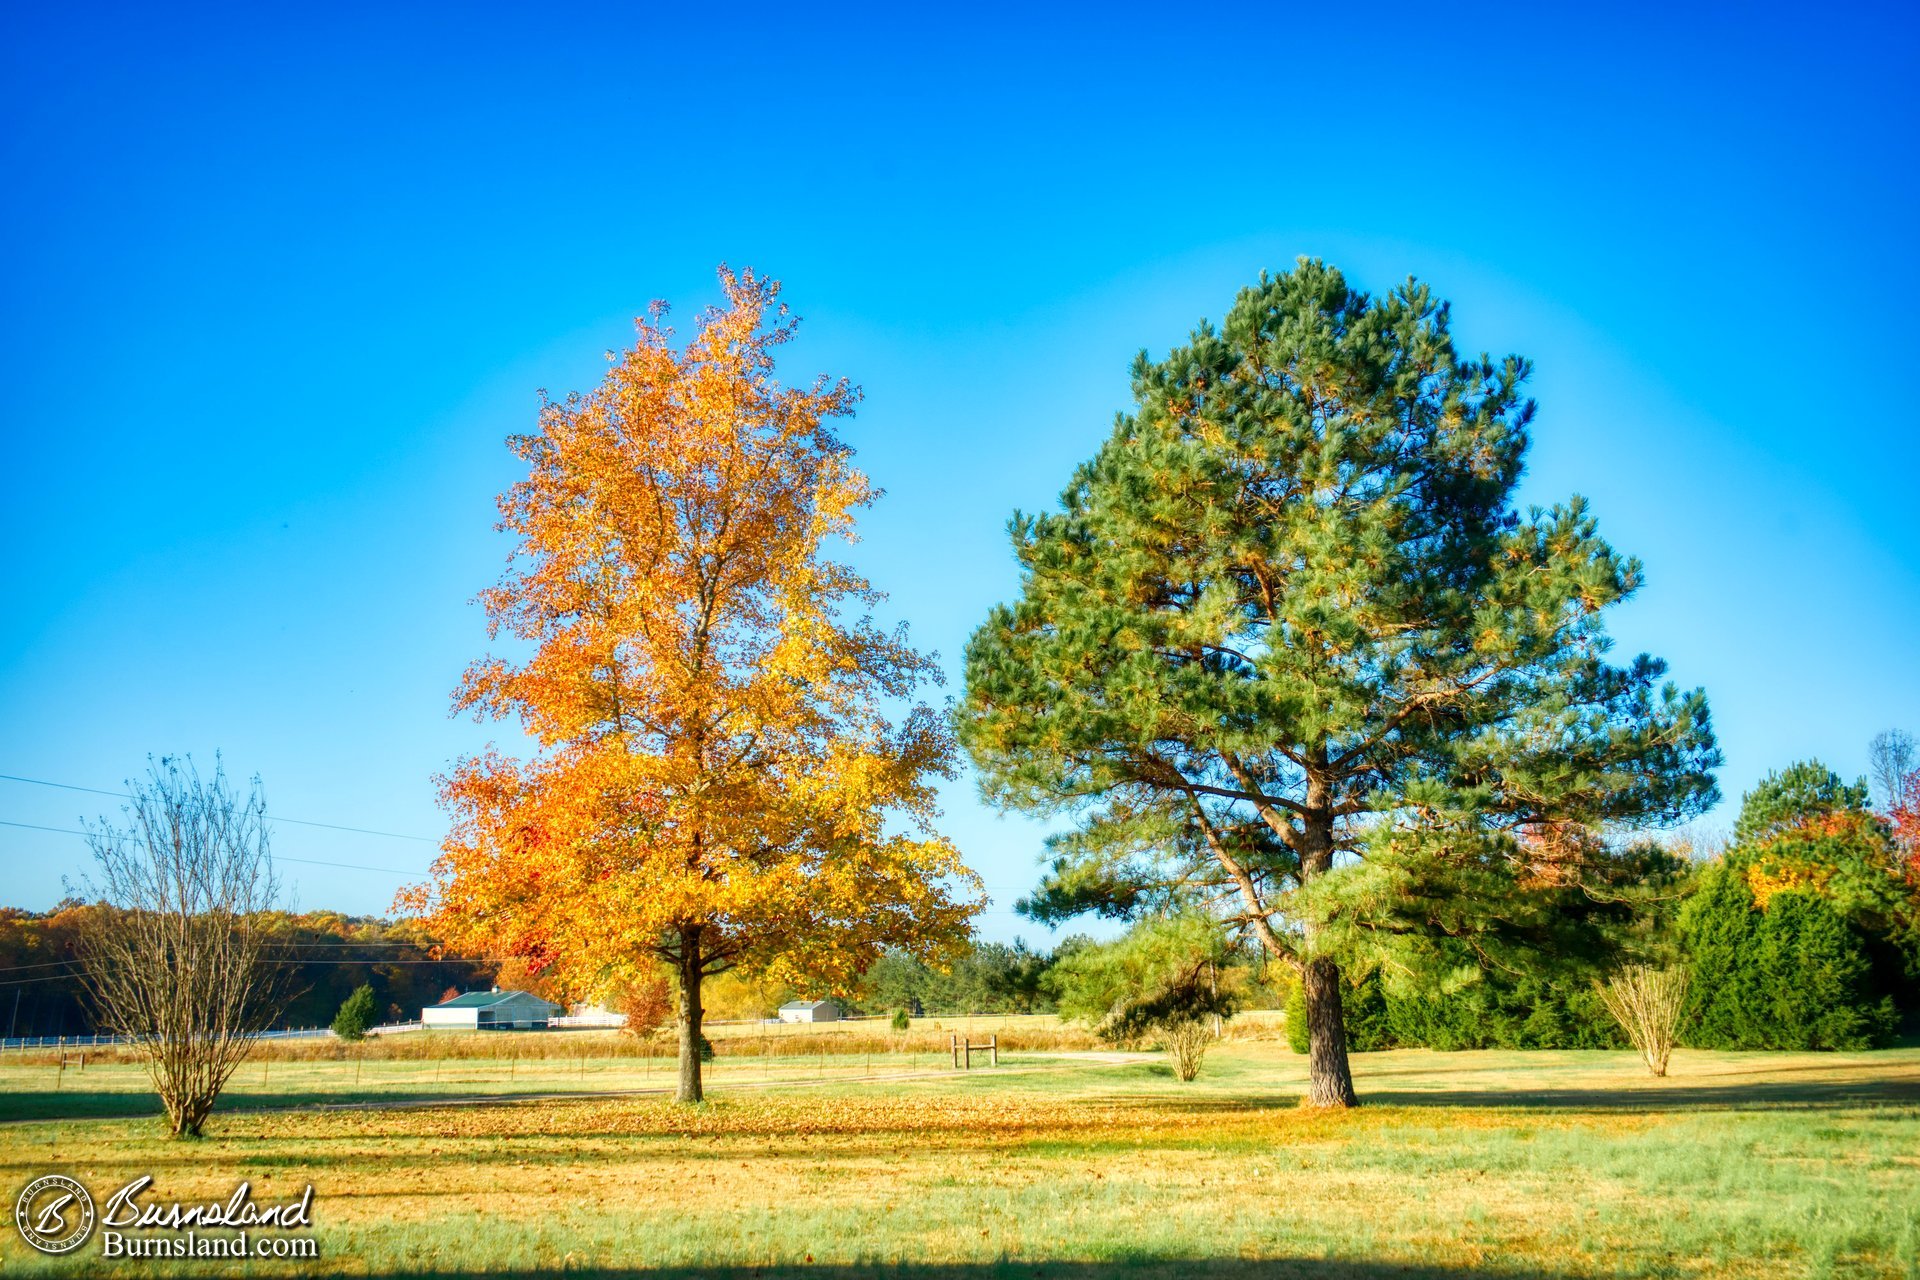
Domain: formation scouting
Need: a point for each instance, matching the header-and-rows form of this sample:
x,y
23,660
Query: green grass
x,y
1482,1164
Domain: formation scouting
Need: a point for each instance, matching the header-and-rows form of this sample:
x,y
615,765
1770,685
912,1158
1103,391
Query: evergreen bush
x,y
1794,975
356,1014
1490,1011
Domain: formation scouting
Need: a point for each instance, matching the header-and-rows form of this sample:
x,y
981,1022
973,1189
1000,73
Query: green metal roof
x,y
484,999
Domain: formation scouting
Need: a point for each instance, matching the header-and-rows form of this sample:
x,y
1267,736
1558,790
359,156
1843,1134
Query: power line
x,y
296,962
280,946
392,871
330,826
29,826
310,862
121,795
48,964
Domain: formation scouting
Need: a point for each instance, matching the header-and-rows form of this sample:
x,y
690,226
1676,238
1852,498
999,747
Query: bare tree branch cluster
x,y
175,963
1648,1003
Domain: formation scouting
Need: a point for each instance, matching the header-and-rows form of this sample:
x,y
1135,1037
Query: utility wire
x,y
311,862
330,826
285,961
29,826
121,795
394,871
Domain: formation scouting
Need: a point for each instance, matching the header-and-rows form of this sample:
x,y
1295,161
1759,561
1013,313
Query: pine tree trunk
x,y
690,964
1329,1077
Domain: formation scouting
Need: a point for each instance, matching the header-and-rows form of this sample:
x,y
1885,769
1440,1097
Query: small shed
x,y
494,1010
809,1011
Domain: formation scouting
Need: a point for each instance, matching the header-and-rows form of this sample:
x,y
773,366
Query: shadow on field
x,y
1770,1096
1138,1267
78,1104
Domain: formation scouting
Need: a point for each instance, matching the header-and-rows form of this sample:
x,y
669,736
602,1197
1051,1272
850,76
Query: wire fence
x,y
23,1043
758,1028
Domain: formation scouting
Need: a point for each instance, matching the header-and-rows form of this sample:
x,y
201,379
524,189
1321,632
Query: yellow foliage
x,y
1772,875
737,996
715,783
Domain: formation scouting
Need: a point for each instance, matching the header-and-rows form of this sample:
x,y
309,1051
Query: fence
x,y
23,1043
759,1028
969,1048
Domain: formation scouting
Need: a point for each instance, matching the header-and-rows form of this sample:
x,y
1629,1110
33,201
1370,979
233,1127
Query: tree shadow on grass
x,y
1769,1096
77,1104
1677,1096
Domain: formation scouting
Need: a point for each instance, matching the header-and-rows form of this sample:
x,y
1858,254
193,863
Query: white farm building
x,y
494,1010
809,1011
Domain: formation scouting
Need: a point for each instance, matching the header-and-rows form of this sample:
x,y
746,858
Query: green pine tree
x,y
1819,977
356,1014
1287,639
1796,975
1804,935
1164,970
1798,792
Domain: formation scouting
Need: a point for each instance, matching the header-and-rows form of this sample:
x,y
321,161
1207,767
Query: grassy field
x,y
47,1084
1485,1164
109,1089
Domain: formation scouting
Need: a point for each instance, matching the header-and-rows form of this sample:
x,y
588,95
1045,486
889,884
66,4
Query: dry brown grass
x,y
1041,1033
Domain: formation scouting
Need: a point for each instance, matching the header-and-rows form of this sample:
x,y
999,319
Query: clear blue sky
x,y
277,286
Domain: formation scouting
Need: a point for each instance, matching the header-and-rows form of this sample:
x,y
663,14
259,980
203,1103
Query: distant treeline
x,y
327,955
1080,979
988,977
991,978
324,955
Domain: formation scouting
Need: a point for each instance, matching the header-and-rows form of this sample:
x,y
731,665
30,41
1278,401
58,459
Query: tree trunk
x,y
690,964
1329,1078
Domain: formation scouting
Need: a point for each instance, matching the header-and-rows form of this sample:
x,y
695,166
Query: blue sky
x,y
278,285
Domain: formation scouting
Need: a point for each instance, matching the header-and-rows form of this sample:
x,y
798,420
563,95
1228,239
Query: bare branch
x,y
174,960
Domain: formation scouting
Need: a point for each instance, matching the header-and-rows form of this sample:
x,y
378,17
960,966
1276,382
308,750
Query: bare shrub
x,y
1647,1003
1187,1043
176,963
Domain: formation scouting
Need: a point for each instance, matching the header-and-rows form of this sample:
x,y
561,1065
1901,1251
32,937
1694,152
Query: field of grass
x,y
1487,1164
49,1084
111,1087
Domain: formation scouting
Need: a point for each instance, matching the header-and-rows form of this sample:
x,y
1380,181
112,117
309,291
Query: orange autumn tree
x,y
1904,814
717,783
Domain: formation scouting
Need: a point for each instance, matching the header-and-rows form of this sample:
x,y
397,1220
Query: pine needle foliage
x,y
1288,625
356,1014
